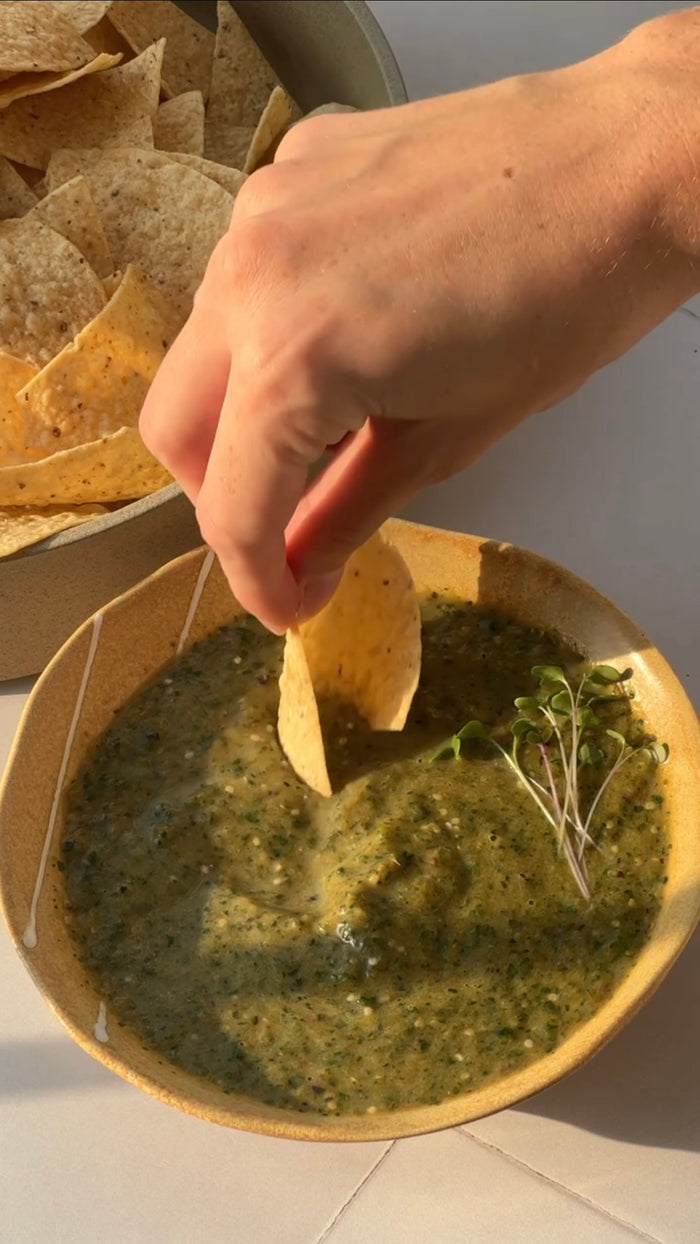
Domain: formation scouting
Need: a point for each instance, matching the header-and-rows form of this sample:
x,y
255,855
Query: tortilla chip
x,y
179,124
104,38
277,115
70,210
16,197
139,133
241,84
97,108
233,150
33,176
111,283
363,649
22,85
158,214
48,293
189,47
14,374
324,109
82,14
298,721
115,468
98,384
21,526
35,38
230,179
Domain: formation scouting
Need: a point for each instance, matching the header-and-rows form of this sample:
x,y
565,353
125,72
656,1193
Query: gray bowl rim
x,y
396,90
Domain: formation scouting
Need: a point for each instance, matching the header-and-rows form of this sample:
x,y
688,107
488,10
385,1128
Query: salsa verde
x,y
414,936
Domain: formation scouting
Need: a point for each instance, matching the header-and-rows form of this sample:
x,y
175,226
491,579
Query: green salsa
x,y
412,937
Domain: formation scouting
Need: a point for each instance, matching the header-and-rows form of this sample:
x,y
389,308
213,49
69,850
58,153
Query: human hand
x,y
408,284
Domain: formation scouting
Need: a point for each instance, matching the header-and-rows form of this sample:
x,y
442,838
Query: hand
x,y
405,286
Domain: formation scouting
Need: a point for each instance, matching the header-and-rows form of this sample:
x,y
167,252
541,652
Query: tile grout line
x,y
554,1183
355,1193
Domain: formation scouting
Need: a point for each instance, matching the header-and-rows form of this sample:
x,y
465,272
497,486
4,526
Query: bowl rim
x,y
628,996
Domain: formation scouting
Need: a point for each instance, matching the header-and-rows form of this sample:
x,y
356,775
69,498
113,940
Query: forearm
x,y
663,57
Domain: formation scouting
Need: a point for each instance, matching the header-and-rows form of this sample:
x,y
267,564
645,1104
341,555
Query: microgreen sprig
x,y
561,722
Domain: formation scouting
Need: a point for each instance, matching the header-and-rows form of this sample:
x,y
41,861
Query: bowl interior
x,y
109,658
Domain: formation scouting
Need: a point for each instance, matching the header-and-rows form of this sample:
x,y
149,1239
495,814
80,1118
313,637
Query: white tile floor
x,y
611,1154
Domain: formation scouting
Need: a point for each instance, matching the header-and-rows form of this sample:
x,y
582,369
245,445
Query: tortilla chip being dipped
x,y
363,649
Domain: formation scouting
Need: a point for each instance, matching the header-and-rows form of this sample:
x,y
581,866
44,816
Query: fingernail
x,y
317,591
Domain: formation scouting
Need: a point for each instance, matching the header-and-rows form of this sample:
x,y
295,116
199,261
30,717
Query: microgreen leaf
x,y
473,730
619,738
561,702
658,751
548,673
563,711
605,674
587,719
589,754
443,752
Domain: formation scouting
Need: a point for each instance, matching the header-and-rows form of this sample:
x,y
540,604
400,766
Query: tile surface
x,y
440,1188
607,484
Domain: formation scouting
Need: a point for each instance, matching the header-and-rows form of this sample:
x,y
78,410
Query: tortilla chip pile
x,y
126,131
363,650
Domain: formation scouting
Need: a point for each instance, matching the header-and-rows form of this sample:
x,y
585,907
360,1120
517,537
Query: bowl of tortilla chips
x,y
126,130
187,926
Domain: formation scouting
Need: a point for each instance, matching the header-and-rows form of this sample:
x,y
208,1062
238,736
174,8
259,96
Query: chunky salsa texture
x,y
412,937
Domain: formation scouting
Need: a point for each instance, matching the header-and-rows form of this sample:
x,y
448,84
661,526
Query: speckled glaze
x,y
323,50
141,631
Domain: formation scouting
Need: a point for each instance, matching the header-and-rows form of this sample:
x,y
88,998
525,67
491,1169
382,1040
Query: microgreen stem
x,y
542,720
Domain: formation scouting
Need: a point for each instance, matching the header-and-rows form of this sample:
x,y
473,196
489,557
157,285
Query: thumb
x,y
372,475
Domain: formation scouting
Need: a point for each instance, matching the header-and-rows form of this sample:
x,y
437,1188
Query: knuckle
x,y
304,136
254,195
157,436
256,245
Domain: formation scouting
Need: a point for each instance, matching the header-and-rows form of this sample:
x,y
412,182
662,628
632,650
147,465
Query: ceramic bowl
x,y
110,657
322,50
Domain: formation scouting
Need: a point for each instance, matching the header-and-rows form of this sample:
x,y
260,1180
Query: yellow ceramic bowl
x,y
109,658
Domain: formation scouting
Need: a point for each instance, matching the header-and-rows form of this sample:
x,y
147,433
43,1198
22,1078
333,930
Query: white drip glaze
x,y
29,937
196,597
100,1030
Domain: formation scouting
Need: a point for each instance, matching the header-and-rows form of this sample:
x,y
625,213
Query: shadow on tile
x,y
49,1067
644,1087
